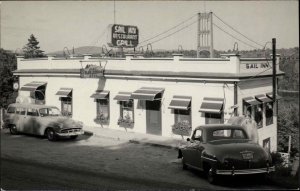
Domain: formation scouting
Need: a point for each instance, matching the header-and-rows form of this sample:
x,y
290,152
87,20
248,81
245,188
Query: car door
x,y
33,121
197,148
21,112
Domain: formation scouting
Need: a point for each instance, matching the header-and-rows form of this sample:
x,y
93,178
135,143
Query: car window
x,y
11,110
21,111
50,111
32,112
198,135
221,134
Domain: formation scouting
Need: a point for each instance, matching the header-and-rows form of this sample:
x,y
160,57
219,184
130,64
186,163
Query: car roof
x,y
28,105
219,126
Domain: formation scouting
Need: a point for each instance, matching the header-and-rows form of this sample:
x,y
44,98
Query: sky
x,y
59,24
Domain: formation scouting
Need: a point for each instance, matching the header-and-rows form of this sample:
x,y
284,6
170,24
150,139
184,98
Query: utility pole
x,y
274,76
211,36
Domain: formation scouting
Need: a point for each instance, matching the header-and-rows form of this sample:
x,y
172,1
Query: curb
x,y
153,144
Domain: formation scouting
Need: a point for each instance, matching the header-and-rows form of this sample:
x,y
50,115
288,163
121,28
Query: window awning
x,y
263,98
32,86
123,96
148,93
270,95
212,105
64,92
251,101
100,94
180,102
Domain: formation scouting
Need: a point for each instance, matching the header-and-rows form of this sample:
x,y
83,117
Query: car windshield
x,y
50,111
226,134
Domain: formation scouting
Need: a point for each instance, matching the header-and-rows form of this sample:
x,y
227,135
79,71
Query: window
x,y
21,111
214,118
11,110
266,144
258,115
126,110
254,112
247,109
51,111
66,106
198,135
227,134
269,113
182,115
32,112
103,110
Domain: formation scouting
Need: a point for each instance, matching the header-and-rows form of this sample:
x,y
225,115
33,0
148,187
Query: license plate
x,y
247,155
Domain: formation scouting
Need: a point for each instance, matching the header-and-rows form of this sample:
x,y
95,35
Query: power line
x,y
171,33
168,29
234,36
237,31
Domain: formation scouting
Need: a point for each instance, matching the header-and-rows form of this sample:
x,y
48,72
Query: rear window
x,y
11,110
222,134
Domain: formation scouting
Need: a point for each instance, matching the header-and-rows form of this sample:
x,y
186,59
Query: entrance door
x,y
153,117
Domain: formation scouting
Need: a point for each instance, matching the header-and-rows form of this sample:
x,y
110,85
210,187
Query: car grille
x,y
70,130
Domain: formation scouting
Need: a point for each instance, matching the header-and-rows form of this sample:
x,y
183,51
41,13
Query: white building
x,y
150,95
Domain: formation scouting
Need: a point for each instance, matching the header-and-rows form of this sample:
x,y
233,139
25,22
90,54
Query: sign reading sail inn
x,y
247,67
123,36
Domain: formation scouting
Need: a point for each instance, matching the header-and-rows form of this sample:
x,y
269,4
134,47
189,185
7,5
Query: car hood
x,y
65,121
227,149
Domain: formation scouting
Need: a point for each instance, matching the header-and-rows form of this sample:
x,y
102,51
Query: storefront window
x,y
66,106
258,115
247,109
214,118
103,110
269,113
126,113
182,115
267,144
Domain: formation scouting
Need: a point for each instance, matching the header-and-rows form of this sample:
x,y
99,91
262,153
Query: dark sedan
x,y
224,150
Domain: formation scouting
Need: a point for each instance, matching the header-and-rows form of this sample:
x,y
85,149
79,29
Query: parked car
x,y
224,150
41,120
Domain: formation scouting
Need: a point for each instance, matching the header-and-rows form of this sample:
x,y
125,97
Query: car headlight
x,y
60,125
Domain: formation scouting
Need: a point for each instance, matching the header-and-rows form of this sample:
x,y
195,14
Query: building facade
x,y
162,96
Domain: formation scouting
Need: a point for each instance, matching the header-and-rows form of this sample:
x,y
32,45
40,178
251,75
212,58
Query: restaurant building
x,y
161,96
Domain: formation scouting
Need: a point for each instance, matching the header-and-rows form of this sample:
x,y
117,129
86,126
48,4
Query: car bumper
x,y
70,133
245,171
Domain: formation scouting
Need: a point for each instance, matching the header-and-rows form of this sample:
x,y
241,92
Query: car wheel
x,y
73,136
50,135
13,130
211,176
184,166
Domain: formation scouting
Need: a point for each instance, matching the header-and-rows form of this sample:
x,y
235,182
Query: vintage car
x,y
41,120
223,149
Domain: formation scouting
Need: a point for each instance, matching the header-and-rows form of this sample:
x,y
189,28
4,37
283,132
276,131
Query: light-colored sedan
x,y
41,120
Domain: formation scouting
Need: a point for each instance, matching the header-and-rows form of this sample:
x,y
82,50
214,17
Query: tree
x,y
31,49
8,64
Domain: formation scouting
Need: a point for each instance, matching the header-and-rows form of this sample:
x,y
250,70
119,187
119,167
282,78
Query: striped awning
x,y
270,95
100,94
148,93
263,98
251,101
123,96
212,105
32,86
64,92
180,102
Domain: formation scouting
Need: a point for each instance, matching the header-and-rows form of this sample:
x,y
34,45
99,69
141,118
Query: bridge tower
x,y
205,34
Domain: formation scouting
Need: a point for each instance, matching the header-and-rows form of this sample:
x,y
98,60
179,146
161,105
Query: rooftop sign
x,y
123,36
